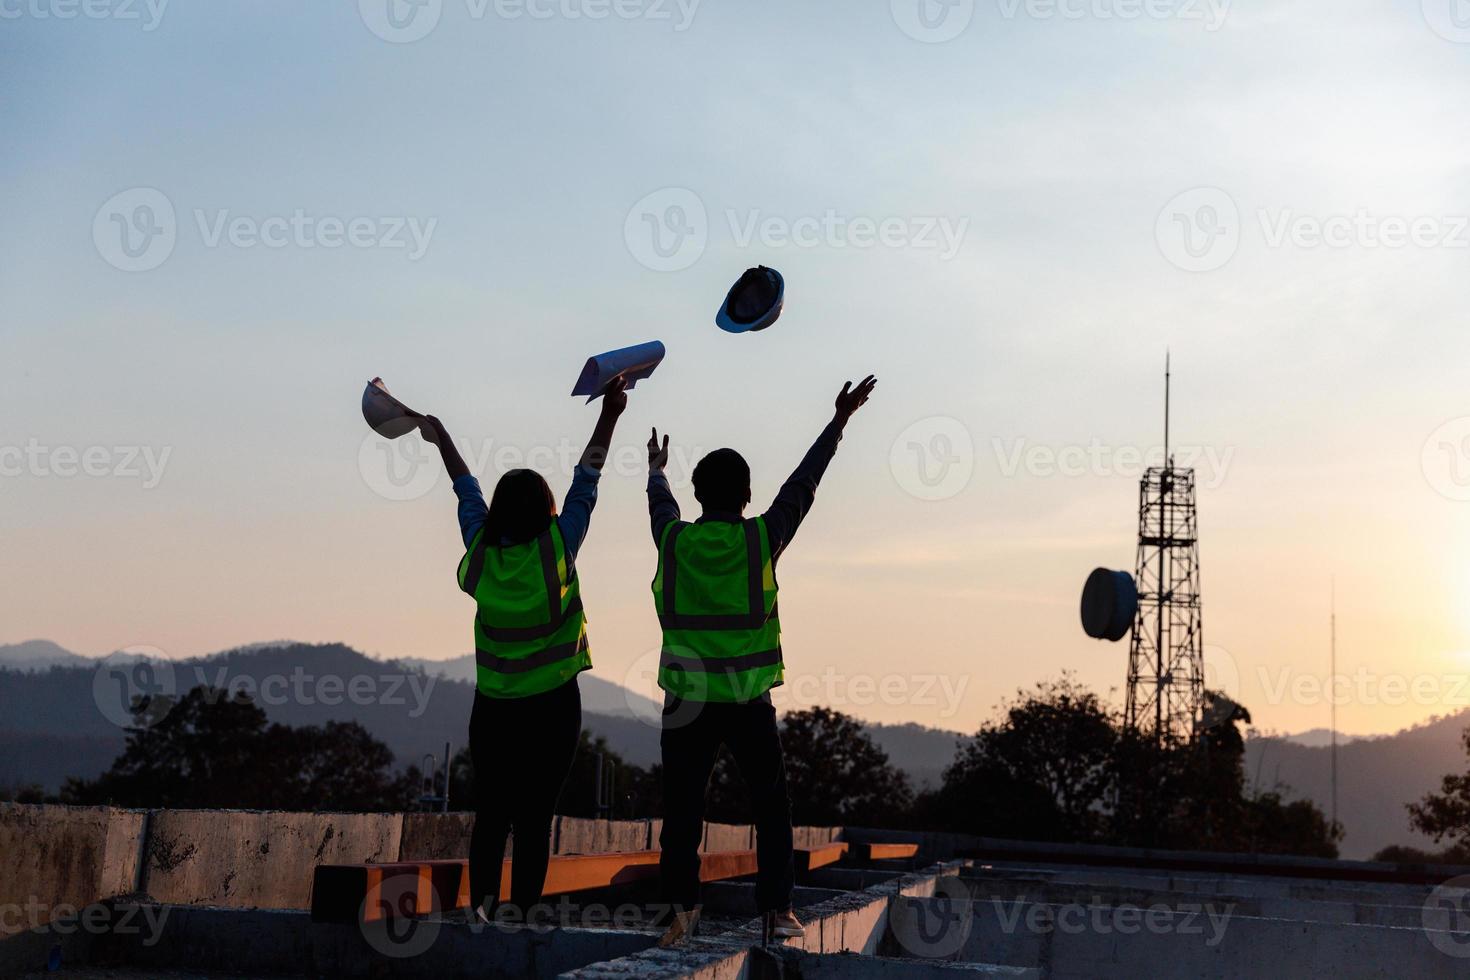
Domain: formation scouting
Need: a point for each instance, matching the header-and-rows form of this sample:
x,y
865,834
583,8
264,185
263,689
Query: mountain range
x,y
51,726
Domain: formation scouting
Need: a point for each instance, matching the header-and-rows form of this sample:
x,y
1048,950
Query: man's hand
x,y
615,398
850,399
658,457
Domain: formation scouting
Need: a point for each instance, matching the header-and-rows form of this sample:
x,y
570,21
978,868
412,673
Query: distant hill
x,y
38,655
1316,738
1376,778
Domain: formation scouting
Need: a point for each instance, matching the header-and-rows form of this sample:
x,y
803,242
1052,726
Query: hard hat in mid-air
x,y
754,302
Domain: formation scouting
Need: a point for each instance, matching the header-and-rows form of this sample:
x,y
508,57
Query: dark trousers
x,y
521,749
691,740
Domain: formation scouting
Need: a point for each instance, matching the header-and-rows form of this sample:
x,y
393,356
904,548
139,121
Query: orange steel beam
x,y
811,858
369,892
884,852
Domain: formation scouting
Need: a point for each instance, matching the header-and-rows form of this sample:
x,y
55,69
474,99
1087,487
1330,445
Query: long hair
x,y
521,508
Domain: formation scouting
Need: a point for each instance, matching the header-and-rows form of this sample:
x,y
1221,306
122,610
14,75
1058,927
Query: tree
x,y
1054,749
1446,814
837,775
212,751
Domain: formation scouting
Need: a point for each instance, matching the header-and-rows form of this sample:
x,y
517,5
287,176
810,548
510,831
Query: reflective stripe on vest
x,y
530,631
715,592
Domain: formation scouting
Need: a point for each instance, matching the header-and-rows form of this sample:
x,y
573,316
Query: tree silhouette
x,y
210,750
1446,814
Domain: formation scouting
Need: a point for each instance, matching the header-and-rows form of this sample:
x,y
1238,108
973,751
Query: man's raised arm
x,y
663,509
800,489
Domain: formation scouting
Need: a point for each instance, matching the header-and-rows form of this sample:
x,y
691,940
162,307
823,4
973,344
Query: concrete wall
x,y
254,859
58,857
54,856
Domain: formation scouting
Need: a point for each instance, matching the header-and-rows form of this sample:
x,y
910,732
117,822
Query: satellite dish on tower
x,y
1109,603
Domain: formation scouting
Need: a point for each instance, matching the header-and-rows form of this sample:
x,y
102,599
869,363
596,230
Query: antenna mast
x,y
1166,655
1332,695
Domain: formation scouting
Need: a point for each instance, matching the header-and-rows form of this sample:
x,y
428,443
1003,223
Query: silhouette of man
x,y
715,592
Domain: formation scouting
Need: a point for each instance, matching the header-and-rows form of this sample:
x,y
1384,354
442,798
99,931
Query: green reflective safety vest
x,y
715,592
530,632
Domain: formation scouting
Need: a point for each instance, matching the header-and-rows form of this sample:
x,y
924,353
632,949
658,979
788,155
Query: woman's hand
x,y
615,398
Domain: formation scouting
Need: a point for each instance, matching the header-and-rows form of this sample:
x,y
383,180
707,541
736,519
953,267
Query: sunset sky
x,y
994,224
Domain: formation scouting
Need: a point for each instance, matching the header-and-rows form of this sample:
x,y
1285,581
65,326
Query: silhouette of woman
x,y
530,645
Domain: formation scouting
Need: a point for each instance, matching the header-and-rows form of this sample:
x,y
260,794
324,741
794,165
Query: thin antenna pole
x,y
1166,406
1332,694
